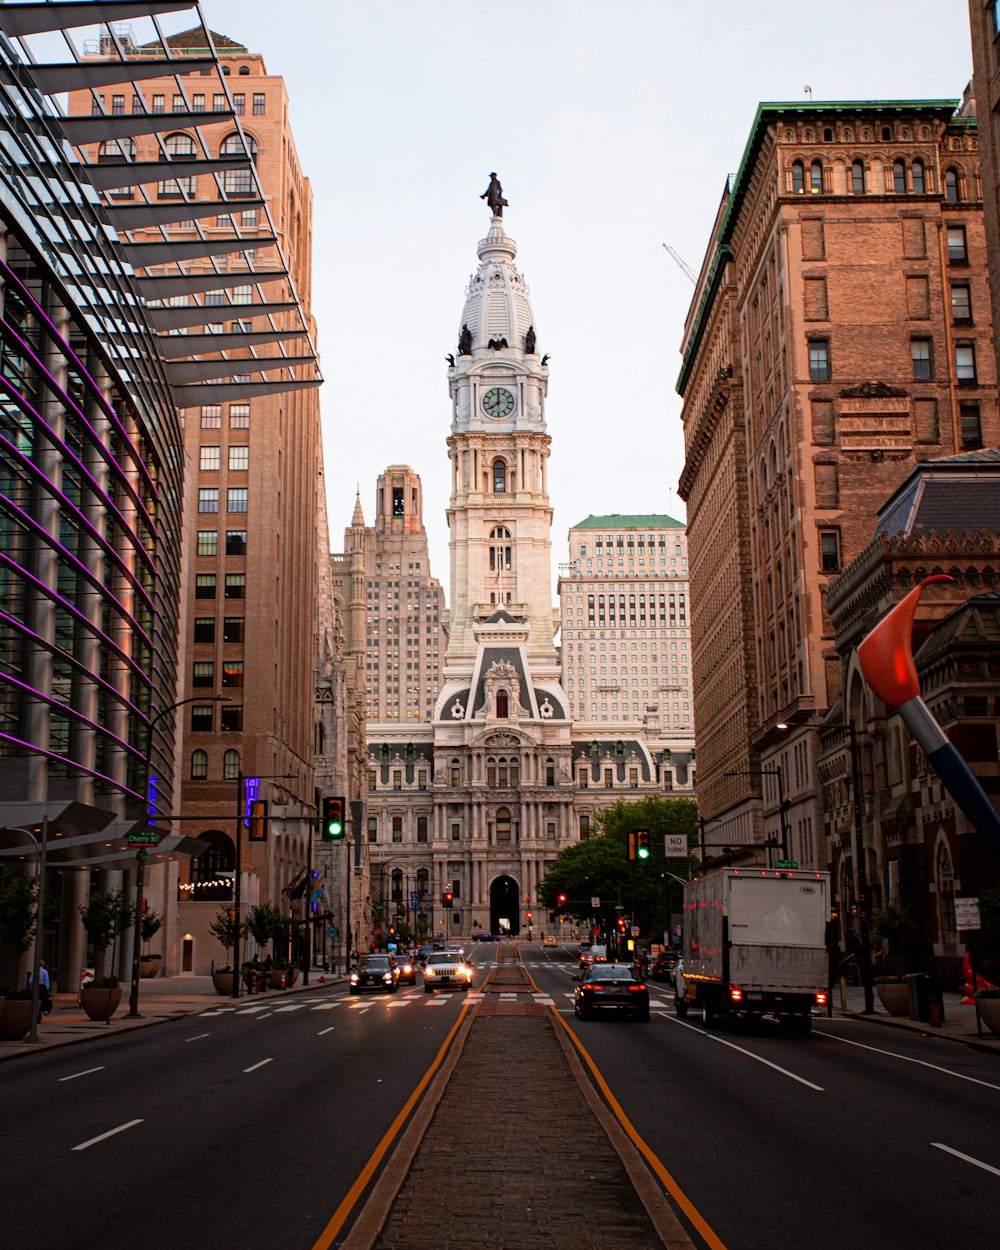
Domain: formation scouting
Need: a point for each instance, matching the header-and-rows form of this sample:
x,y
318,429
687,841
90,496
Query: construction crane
x,y
681,264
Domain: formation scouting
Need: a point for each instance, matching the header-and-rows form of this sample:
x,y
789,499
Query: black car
x,y
611,987
407,968
375,972
663,966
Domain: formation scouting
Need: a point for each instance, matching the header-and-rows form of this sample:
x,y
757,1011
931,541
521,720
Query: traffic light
x,y
631,846
622,924
642,844
258,821
561,900
332,822
448,898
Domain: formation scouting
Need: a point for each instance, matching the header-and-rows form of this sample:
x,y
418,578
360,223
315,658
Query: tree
x,y
150,925
18,909
106,916
225,927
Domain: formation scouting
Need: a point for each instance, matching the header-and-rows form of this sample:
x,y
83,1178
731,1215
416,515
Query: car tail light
x,y
736,994
633,988
820,998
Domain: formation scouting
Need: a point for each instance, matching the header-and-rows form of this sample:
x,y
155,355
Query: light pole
x,y
782,804
861,870
39,837
142,856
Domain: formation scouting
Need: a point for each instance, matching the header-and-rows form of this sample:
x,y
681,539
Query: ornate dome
x,y
496,302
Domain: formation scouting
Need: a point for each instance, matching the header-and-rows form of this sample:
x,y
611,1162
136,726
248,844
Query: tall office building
x,y
839,336
984,23
237,210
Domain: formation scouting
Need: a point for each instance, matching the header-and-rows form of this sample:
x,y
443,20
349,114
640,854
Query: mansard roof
x,y
629,521
956,493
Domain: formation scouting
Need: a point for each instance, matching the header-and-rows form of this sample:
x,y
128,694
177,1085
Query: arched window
x,y
886,134
899,177
117,152
798,178
917,176
816,177
858,178
423,881
951,186
503,824
500,550
827,135
244,69
199,765
397,885
179,147
499,477
503,705
944,880
238,181
231,765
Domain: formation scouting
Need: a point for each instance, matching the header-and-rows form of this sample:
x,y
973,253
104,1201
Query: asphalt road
x,y
860,1135
243,1126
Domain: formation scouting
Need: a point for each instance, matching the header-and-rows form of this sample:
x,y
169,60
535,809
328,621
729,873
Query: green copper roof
x,y
621,521
768,112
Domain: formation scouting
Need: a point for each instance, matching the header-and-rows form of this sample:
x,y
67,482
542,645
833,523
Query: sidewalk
x,y
160,999
959,1020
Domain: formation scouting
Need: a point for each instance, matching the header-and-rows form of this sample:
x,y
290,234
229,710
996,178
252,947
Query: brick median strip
x,y
572,1178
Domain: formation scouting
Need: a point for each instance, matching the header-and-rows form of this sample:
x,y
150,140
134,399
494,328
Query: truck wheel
x,y
708,1017
680,1008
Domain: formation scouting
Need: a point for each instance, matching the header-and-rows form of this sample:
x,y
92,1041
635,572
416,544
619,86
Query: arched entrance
x,y
505,906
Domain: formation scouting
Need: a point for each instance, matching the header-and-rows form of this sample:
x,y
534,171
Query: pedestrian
x,y
44,989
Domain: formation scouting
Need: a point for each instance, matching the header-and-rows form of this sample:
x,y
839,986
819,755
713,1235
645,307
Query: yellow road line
x,y
326,1237
665,1178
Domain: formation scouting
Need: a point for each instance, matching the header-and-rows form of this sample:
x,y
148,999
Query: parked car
x,y
445,970
611,987
663,966
375,972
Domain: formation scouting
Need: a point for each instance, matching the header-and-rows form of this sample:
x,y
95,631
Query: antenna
x,y
808,91
681,263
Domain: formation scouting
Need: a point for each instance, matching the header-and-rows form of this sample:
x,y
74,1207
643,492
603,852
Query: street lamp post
x,y
39,837
782,803
861,870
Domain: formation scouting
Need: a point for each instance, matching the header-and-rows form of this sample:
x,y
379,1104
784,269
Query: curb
x,y
983,1045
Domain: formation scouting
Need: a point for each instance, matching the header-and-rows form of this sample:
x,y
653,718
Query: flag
x,y
297,886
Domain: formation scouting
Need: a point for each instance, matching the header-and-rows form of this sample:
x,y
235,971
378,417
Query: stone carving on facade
x,y
546,711
501,678
457,711
873,390
502,740
465,342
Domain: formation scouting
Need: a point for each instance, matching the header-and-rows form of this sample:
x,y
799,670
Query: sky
x,y
613,128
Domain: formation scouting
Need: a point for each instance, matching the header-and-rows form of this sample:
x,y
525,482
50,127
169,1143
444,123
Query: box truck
x,y
755,943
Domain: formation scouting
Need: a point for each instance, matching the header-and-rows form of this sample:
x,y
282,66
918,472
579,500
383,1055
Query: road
x,y
857,1136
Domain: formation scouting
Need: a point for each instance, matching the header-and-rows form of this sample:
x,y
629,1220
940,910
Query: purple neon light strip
x,y
54,755
73,407
98,395
71,711
49,592
107,503
95,678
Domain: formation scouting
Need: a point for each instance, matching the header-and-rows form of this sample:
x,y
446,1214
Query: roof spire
x,y
358,520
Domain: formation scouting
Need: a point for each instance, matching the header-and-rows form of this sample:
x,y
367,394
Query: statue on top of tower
x,y
493,195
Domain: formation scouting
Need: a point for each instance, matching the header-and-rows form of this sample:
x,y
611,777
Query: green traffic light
x,y
644,852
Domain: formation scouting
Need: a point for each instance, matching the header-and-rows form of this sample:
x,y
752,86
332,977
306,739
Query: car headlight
x,y
354,978
428,972
386,976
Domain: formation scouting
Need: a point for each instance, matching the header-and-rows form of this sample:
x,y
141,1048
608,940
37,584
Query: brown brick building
x,y
984,23
252,443
840,335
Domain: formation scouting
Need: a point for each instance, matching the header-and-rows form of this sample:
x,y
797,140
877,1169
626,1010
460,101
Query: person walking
x,y
44,989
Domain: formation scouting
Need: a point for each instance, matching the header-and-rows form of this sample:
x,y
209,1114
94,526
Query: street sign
x,y
595,904
332,932
635,930
674,845
967,913
414,900
143,839
786,863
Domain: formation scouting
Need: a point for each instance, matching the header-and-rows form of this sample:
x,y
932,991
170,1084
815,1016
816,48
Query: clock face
x,y
498,402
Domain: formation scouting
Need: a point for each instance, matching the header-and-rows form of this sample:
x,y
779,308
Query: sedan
x,y
663,966
444,969
611,987
407,969
375,972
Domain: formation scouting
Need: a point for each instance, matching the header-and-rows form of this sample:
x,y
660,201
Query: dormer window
x,y
503,705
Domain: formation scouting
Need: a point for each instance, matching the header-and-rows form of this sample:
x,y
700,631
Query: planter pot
x,y
15,1019
989,1013
894,998
292,976
223,982
150,966
100,1004
279,979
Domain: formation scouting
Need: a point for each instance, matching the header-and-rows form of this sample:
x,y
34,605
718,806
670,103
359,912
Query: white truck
x,y
755,943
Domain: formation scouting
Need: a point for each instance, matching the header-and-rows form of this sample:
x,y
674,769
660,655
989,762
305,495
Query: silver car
x,y
447,970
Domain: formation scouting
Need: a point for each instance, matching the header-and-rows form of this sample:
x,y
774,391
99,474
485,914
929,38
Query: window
x,y
917,178
219,104
238,181
211,414
816,177
179,105
237,499
117,152
239,103
208,542
829,550
232,673
899,178
204,629
211,459
204,586
858,178
231,765
236,542
201,718
203,673
159,104
421,828
956,244
951,186
199,765
397,828
819,360
239,416
923,367
372,828
231,717
178,148
499,477
798,178
961,302
239,458
972,430
236,584
965,362
208,499
259,104
232,629
117,105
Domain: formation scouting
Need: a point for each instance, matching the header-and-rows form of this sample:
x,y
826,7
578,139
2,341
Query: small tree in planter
x,y
892,922
106,915
225,927
150,924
